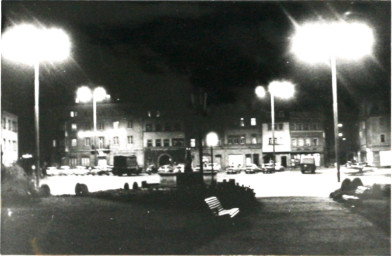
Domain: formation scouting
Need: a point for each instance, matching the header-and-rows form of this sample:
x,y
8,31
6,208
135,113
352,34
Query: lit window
x,y
74,127
54,143
85,161
74,142
300,142
66,134
254,138
115,140
101,142
158,113
116,124
158,143
382,138
242,122
193,143
149,143
242,139
87,141
294,142
130,139
307,142
253,121
149,113
166,143
73,113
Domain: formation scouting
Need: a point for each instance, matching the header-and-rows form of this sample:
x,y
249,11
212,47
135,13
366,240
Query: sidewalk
x,y
301,225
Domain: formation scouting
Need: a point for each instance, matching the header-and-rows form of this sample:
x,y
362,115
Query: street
x,y
298,219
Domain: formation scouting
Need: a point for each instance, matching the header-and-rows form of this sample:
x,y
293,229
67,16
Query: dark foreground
x,y
87,225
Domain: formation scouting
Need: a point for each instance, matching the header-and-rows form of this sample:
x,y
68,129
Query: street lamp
x,y
212,141
324,42
281,89
85,94
32,45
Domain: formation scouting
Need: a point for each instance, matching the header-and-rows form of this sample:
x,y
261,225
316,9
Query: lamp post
x,y
33,45
281,89
324,42
212,141
98,94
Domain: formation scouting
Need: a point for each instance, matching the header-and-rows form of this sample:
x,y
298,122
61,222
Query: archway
x,y
164,159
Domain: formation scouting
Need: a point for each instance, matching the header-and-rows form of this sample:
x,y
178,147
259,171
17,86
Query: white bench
x,y
217,208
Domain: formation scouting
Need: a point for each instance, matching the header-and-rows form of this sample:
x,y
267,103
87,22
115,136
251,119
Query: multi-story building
x,y
9,138
307,136
375,133
280,140
163,137
119,132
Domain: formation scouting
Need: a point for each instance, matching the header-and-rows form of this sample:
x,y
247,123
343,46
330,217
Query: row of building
x,y
163,136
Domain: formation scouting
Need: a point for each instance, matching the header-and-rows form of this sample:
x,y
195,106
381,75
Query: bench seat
x,y
217,208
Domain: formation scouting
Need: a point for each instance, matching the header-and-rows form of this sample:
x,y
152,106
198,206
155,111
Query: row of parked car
x,y
79,170
253,168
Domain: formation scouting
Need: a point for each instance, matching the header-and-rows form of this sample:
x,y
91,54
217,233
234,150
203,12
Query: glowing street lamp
x,y
212,141
32,45
323,42
85,94
281,89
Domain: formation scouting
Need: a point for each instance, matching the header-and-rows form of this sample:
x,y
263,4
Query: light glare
x,y
84,94
212,139
99,94
29,44
317,42
260,91
281,89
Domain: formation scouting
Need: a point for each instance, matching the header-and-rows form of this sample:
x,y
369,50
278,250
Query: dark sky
x,y
157,52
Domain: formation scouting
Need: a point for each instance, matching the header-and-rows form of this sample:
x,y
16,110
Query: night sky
x,y
158,52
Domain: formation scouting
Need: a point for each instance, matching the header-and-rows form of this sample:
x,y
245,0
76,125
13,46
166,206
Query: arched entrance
x,y
164,159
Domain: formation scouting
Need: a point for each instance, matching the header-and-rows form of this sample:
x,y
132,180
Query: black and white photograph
x,y
195,127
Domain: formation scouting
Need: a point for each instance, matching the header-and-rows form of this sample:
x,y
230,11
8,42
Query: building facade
x,y
9,138
375,134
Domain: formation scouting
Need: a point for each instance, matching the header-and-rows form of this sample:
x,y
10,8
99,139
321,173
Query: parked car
x,y
179,168
252,168
308,164
166,169
151,169
269,168
211,166
51,170
357,165
233,170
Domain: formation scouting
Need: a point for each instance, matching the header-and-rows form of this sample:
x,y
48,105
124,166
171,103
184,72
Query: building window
x,y
73,113
130,124
116,124
54,143
363,125
116,140
4,123
148,127
270,141
74,127
9,125
299,127
74,142
305,126
14,126
242,122
315,126
166,143
253,121
254,139
158,143
130,139
100,126
382,138
158,127
300,142
234,139
101,142
14,145
178,142
280,126
193,143
315,142
242,139
149,143
158,113
87,141
167,127
307,142
149,113
293,142
85,161
292,126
